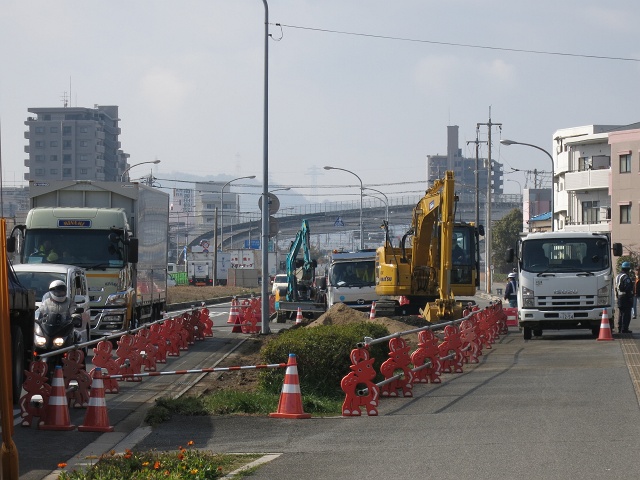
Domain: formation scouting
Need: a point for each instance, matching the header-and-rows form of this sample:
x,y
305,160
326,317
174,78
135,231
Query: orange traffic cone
x,y
605,328
57,409
372,314
299,316
290,404
96,418
233,313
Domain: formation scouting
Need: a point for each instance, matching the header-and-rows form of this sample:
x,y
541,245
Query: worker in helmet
x,y
47,252
511,290
624,295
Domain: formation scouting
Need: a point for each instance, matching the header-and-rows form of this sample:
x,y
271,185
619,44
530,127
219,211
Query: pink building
x,y
625,195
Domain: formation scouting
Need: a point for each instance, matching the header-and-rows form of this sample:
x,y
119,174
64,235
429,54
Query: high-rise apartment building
x,y
74,143
464,170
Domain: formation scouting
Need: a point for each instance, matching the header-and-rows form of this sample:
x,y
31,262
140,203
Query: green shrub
x,y
322,356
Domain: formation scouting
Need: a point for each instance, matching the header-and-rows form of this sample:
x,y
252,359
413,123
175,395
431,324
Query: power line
x,y
462,45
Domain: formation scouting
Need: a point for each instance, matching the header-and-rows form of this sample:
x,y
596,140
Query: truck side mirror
x,y
11,244
617,249
481,230
133,250
509,255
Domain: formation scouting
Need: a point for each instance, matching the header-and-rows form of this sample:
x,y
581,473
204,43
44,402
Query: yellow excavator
x,y
440,263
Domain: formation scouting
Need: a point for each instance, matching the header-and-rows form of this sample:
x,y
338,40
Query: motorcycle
x,y
54,332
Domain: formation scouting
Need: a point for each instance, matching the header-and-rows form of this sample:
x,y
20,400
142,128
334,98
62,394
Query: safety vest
x,y
620,288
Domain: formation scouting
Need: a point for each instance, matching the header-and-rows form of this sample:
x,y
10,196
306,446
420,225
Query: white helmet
x,y
58,290
512,275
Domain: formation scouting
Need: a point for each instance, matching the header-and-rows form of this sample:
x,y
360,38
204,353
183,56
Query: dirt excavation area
x,y
249,352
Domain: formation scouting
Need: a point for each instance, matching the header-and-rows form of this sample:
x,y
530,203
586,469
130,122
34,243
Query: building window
x,y
83,171
53,129
625,213
590,212
66,172
39,129
53,158
53,171
39,171
39,158
53,143
66,130
84,158
66,144
84,129
625,163
66,158
84,143
39,144
584,163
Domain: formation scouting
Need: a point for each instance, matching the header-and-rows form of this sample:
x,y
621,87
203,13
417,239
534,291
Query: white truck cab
x,y
351,280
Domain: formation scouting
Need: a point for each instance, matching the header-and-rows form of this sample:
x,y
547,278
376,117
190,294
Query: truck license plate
x,y
566,315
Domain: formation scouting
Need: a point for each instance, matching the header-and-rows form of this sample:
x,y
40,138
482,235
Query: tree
x,y
505,233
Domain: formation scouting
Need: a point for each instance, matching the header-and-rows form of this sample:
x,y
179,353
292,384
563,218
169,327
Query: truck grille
x,y
569,302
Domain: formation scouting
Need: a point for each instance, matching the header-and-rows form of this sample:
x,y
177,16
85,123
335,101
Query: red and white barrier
x,y
461,343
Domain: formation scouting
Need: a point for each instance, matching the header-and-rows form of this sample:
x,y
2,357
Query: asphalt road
x,y
41,451
559,406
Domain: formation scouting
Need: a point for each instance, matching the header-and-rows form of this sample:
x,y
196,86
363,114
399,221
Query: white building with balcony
x,y
582,171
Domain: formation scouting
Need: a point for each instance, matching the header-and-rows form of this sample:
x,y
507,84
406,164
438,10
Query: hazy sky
x,y
366,85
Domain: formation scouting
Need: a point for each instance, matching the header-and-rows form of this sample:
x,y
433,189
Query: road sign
x,y
274,204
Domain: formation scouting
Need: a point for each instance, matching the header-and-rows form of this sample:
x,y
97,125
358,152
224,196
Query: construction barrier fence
x,y
442,348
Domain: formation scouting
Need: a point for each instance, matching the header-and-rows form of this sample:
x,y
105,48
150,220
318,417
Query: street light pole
x,y
516,181
504,141
386,202
222,208
264,219
361,195
156,161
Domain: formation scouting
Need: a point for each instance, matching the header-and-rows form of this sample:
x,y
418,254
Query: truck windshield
x,y
85,248
39,281
353,274
588,254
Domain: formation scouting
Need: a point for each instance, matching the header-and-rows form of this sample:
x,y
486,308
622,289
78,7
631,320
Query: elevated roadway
x,y
325,220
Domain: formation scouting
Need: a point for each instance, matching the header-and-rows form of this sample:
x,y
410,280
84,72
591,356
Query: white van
x,y
38,277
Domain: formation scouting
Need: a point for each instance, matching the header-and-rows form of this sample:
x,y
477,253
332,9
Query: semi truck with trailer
x,y
117,231
565,280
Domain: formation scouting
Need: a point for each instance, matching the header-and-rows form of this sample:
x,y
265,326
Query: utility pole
x,y
487,230
477,195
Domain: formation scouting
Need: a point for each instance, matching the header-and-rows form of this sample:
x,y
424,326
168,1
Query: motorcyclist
x,y
56,304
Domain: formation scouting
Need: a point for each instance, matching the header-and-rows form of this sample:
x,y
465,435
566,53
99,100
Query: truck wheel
x,y
595,331
537,332
526,333
17,356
